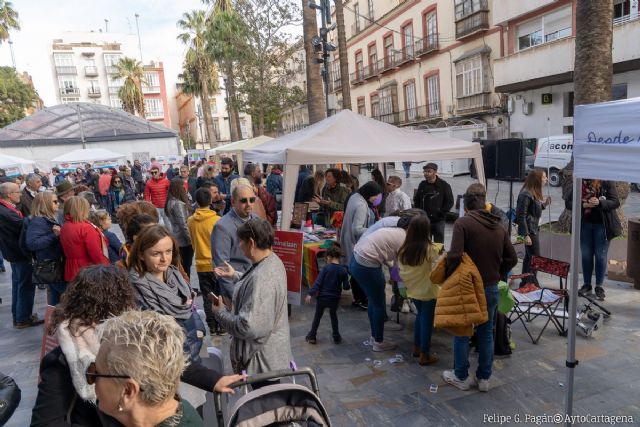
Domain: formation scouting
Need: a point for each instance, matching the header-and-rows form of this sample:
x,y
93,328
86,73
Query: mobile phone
x,y
213,297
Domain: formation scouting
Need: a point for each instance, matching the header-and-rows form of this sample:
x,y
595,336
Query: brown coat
x,y
461,301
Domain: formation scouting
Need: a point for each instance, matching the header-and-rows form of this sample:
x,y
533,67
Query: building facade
x,y
296,117
537,69
83,67
191,120
423,62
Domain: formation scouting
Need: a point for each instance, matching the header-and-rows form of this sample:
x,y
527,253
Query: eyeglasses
x,y
154,172
248,199
92,374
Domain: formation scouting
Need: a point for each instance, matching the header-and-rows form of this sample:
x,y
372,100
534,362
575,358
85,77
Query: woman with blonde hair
x,y
529,209
82,242
42,237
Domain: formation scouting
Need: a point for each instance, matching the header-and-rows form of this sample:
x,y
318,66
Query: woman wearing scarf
x,y
118,195
358,217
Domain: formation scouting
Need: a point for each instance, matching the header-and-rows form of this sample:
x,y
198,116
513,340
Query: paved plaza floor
x,y
363,388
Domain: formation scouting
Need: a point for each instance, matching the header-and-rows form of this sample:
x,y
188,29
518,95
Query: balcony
x,y
368,20
473,103
67,70
154,114
391,118
371,70
357,77
387,63
427,45
356,27
335,82
150,89
94,92
113,90
90,71
404,55
473,20
65,91
420,114
111,69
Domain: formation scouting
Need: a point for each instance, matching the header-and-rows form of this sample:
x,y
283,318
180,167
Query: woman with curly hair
x,y
64,396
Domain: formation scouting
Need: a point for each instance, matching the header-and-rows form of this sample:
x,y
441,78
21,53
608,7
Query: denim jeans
x,y
321,305
437,231
55,292
485,342
371,280
23,291
593,243
424,324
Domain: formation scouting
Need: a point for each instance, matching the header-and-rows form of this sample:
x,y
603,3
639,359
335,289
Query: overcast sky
x,y
44,20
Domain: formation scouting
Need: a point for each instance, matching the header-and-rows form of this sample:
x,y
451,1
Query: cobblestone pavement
x,y
357,393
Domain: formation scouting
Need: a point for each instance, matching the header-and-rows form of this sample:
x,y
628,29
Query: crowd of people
x,y
126,318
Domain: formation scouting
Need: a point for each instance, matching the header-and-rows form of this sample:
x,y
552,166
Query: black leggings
x,y
321,305
186,257
530,250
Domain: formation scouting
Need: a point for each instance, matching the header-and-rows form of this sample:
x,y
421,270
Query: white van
x,y
554,153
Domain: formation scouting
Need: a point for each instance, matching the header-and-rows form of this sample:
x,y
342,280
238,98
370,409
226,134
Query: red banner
x,y
288,247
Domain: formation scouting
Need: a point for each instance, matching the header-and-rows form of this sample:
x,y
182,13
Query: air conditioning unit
x,y
450,109
527,108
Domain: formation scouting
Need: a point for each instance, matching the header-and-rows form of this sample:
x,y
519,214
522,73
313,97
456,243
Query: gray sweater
x,y
258,323
225,247
357,218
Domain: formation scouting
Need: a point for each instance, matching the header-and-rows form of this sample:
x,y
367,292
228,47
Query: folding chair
x,y
533,300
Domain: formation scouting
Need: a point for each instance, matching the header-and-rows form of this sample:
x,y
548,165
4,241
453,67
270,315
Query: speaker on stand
x,y
510,165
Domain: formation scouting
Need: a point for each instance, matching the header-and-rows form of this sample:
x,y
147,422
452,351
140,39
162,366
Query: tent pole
x,y
84,146
571,362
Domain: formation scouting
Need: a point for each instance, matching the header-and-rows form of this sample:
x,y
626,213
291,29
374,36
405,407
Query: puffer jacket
x,y
461,301
41,240
155,191
178,213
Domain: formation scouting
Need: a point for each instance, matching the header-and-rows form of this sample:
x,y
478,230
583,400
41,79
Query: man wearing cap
x,y
22,288
64,191
434,196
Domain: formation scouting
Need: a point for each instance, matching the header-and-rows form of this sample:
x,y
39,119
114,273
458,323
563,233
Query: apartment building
x,y
423,62
191,119
83,66
296,117
537,68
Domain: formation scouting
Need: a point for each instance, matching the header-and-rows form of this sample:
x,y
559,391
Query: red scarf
x,y
11,208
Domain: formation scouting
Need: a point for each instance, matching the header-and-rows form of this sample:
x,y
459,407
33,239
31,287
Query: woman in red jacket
x,y
82,242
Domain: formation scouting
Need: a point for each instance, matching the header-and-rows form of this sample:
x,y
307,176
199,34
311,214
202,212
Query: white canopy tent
x,y
97,157
606,143
348,137
238,147
15,165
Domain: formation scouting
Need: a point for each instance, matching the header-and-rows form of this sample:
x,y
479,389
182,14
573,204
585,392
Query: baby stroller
x,y
287,404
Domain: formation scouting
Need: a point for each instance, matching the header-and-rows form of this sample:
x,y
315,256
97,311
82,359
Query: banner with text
x,y
288,246
606,140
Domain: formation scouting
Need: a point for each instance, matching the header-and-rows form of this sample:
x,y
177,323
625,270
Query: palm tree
x,y
344,57
8,20
131,71
592,79
315,91
194,24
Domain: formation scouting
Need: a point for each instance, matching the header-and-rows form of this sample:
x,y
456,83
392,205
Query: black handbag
x,y
9,397
48,271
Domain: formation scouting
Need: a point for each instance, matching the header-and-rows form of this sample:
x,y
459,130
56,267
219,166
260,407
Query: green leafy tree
x,y
8,20
263,69
194,25
130,94
16,97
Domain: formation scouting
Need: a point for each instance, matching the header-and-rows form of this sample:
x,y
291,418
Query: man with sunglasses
x,y
225,246
156,191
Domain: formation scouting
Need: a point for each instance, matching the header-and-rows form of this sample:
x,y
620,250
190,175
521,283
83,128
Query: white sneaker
x,y
393,326
405,307
483,385
383,346
450,377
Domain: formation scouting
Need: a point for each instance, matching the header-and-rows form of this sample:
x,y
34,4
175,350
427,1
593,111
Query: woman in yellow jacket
x,y
415,259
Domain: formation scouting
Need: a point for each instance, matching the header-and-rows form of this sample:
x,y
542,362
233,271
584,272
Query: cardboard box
x,y
618,271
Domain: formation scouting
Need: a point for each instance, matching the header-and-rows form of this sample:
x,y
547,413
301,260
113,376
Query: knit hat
x,y
63,188
369,189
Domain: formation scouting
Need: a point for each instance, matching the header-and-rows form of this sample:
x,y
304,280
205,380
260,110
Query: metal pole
x,y
13,58
139,40
84,146
325,12
571,362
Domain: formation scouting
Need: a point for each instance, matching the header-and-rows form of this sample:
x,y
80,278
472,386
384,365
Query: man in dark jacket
x,y
275,184
224,180
434,196
22,288
304,173
189,182
34,182
253,173
480,235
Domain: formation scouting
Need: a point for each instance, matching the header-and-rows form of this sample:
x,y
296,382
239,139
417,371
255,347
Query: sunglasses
x,y
249,199
92,374
117,182
154,172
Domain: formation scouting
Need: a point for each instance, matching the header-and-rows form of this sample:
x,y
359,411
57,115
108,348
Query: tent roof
x,y
7,160
352,138
88,155
67,123
243,144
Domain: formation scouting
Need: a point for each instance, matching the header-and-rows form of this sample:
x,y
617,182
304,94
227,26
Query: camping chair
x,y
533,300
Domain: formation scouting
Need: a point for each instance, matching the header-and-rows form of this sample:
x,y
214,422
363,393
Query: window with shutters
x,y
433,95
410,99
375,106
388,50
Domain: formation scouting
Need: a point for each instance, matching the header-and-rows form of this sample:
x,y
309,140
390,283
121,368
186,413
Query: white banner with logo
x,y
606,140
